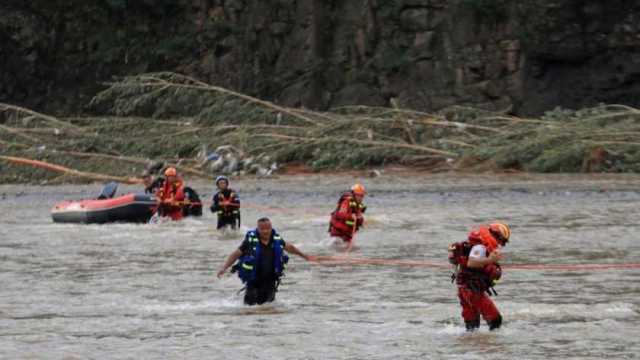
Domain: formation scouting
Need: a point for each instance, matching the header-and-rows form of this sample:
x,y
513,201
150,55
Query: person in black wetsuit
x,y
261,262
193,206
226,204
151,185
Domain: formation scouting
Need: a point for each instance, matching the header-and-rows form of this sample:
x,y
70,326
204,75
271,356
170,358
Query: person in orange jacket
x,y
348,217
171,195
477,271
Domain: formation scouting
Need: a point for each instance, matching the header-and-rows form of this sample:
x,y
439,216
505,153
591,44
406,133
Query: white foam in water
x,y
319,220
304,220
458,329
230,234
327,242
380,220
452,329
216,304
392,304
593,312
620,308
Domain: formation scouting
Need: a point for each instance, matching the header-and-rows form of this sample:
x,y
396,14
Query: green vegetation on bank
x,y
169,117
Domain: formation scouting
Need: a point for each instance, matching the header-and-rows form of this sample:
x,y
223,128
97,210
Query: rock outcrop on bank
x,y
524,57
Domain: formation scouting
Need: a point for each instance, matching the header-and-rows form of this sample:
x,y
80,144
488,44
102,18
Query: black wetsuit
x,y
227,215
193,207
264,288
155,185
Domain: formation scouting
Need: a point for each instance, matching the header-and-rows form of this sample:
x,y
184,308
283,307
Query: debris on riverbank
x,y
207,130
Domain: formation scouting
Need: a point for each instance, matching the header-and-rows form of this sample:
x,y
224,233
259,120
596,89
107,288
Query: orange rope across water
x,y
346,260
572,267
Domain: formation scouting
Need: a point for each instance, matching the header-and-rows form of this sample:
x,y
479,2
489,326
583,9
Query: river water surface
x,y
126,291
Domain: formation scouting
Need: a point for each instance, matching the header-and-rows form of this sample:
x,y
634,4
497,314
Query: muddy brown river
x,y
125,291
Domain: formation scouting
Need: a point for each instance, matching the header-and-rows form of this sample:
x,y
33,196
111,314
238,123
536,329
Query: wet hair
x,y
263,219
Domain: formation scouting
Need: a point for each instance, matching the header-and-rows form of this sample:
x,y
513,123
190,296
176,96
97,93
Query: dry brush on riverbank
x,y
179,120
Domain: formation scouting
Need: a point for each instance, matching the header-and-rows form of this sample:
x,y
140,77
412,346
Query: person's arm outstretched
x,y
294,250
230,261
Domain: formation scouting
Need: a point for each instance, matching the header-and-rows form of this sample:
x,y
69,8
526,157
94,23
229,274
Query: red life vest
x,y
483,236
172,198
233,205
479,280
342,224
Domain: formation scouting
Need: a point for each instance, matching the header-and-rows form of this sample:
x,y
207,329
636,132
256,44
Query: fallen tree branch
x,y
207,87
19,133
5,107
68,171
155,82
364,142
134,160
9,144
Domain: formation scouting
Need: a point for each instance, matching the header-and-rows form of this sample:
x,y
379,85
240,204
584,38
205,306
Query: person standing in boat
x,y
171,195
261,260
226,204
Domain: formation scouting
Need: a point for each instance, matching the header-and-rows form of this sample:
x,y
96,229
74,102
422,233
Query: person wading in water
x,y
477,271
226,204
261,261
348,217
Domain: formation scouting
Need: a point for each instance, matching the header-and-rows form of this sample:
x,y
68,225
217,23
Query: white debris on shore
x,y
228,159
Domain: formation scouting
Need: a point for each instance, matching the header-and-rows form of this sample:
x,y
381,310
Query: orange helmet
x,y
501,231
171,171
358,189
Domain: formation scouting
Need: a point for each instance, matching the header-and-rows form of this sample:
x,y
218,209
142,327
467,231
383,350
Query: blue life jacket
x,y
247,264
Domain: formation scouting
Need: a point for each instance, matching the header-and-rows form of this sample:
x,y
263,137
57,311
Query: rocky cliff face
x,y
523,56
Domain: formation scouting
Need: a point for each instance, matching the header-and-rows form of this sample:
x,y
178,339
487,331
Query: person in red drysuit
x,y
348,217
477,271
171,195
